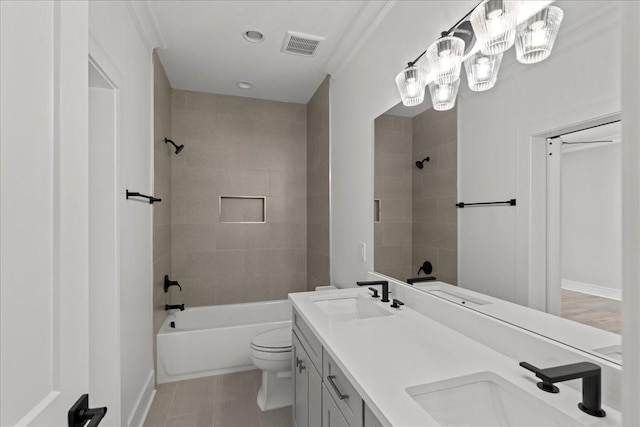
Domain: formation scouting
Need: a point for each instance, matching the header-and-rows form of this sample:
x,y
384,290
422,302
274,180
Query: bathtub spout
x,y
168,307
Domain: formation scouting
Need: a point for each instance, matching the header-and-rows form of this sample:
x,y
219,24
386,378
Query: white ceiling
x,y
205,51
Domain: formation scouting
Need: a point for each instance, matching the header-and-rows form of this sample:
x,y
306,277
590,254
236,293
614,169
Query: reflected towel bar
x,y
136,194
511,202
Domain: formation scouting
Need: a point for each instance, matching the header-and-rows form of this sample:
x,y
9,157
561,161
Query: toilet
x,y
271,352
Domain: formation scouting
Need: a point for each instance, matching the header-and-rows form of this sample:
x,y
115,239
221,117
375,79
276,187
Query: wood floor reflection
x,y
601,313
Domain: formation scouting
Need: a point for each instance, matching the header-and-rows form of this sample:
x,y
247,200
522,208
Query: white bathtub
x,y
216,339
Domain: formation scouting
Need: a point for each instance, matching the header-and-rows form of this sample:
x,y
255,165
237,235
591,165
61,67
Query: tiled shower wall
x,y
238,147
435,189
318,273
393,166
163,156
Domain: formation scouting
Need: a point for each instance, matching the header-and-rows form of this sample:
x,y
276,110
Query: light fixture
x,y
443,97
494,22
411,84
244,85
444,58
482,71
253,36
536,35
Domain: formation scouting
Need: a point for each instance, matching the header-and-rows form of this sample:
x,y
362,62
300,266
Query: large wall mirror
x,y
545,141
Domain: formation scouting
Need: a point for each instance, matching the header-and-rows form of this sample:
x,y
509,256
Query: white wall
x,y
579,82
592,219
360,92
114,29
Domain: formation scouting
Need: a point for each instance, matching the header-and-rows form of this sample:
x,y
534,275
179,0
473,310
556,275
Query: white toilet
x,y
271,352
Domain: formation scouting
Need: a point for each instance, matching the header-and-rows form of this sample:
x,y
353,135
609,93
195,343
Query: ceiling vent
x,y
301,44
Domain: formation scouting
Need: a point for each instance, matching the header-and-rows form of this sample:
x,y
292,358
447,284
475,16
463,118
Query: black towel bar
x,y
136,194
511,202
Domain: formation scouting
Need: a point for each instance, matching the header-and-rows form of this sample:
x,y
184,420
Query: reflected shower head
x,y
179,148
420,163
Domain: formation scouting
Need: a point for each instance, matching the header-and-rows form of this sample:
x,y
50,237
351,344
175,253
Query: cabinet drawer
x,y
311,344
331,415
344,394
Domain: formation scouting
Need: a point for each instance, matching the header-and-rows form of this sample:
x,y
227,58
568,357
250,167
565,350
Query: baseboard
x,y
587,288
143,403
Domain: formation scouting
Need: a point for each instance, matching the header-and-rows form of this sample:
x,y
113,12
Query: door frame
x,y
104,243
539,236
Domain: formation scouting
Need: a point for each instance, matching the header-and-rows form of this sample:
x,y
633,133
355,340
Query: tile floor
x,y
221,401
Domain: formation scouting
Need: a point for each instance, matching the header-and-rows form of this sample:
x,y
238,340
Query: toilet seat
x,y
273,341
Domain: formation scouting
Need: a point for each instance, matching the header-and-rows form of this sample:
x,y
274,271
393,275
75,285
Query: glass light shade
x,y
494,23
536,35
443,97
444,58
411,84
482,71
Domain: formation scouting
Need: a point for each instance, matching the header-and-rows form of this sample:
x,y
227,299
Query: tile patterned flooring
x,y
222,401
601,313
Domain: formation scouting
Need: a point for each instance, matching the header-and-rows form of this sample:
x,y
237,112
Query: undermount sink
x,y
485,399
350,308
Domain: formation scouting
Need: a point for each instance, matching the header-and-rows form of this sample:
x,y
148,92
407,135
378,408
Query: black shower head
x,y
420,163
179,148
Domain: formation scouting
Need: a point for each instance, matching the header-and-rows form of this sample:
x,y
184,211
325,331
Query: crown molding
x,y
366,20
146,23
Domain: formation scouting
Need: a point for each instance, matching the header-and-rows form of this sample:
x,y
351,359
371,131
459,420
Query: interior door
x,y
44,360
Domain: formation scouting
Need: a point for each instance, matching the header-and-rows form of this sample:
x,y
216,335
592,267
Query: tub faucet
x,y
168,307
385,287
168,283
591,378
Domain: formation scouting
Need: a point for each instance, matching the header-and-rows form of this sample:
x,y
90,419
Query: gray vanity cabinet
x,y
307,381
323,395
331,415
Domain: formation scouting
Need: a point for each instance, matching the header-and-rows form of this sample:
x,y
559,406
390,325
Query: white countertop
x,y
382,356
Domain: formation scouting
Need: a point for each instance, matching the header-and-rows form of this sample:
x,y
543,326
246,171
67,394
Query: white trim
x,y
590,289
631,212
335,67
143,403
145,23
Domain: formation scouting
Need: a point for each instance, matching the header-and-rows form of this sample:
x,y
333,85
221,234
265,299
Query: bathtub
x,y
216,339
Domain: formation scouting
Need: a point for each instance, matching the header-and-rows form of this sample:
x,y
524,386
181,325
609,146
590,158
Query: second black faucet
x,y
383,283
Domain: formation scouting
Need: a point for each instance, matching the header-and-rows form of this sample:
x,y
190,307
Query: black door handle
x,y
80,413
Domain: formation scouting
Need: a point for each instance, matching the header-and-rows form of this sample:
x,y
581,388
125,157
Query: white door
x,y
44,353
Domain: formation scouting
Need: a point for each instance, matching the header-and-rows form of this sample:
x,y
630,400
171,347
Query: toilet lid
x,y
275,338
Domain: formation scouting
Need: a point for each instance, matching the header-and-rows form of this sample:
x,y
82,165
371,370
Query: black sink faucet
x,y
168,307
591,379
383,283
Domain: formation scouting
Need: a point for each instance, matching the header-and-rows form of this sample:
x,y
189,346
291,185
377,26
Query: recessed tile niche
x,y
242,209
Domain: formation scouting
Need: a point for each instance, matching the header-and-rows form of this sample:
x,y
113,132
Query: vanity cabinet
x,y
370,420
323,396
331,415
307,383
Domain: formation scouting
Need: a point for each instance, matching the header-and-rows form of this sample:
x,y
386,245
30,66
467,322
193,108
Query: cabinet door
x,y
370,420
331,415
315,398
300,385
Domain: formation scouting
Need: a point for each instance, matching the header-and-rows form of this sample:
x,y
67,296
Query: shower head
x,y
179,148
420,163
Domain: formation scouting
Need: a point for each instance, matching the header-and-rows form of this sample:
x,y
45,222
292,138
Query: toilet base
x,y
276,390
